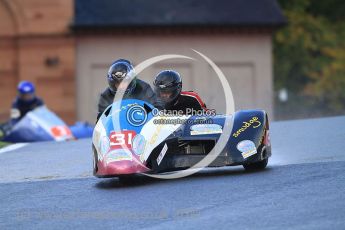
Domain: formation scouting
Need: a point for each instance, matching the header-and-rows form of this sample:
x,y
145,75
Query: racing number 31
x,y
122,139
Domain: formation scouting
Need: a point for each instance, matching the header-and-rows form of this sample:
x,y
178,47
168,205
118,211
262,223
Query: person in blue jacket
x,y
25,101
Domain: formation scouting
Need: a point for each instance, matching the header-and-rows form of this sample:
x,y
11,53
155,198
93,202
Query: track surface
x,y
49,186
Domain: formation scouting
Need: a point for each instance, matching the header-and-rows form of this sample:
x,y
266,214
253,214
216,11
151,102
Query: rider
x,y
136,89
25,101
168,88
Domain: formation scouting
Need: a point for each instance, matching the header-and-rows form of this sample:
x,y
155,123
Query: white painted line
x,y
12,147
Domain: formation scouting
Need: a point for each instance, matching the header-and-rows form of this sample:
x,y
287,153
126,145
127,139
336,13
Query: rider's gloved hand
x,y
5,129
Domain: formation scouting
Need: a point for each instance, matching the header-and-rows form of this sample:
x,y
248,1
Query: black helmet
x,y
168,86
117,72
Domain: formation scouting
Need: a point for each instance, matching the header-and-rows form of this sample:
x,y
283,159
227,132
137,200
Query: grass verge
x,y
3,144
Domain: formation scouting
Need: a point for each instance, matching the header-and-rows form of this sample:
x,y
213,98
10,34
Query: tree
x,y
309,52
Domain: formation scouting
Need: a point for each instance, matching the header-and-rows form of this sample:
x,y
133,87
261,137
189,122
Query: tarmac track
x,y
49,186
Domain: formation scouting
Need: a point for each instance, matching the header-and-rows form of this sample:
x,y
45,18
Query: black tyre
x,y
256,166
95,159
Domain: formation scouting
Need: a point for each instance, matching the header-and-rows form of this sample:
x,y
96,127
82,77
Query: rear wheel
x,y
256,166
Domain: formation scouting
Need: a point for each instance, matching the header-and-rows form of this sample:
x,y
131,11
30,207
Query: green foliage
x,y
310,51
3,144
333,10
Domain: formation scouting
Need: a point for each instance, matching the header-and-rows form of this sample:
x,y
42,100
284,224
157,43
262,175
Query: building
x,y
235,34
36,44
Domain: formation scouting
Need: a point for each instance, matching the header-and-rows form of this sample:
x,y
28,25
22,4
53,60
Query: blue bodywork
x,y
37,126
82,130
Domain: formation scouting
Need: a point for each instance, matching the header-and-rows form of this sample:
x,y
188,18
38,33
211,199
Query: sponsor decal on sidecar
x,y
254,122
247,148
138,144
162,154
118,155
204,129
124,107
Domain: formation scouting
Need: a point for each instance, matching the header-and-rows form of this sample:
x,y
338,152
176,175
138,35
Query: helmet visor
x,y
167,95
27,96
125,86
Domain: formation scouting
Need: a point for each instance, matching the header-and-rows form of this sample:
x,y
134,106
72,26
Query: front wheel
x,y
256,166
95,159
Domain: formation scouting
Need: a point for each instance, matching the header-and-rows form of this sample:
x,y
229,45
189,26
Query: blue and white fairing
x,y
41,124
126,148
155,143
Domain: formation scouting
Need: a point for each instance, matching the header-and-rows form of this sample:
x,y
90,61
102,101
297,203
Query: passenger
x,y
168,88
